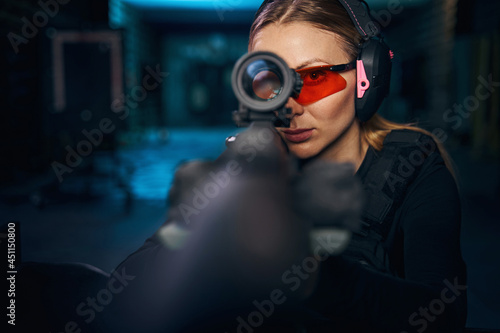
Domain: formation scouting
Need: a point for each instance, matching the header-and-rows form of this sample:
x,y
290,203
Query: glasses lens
x,y
319,82
263,80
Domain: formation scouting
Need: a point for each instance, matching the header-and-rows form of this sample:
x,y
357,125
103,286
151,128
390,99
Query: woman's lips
x,y
298,135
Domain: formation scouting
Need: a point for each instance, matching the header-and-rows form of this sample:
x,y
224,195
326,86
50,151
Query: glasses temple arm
x,y
344,67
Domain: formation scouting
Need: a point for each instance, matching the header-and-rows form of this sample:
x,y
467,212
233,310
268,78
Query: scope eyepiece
x,y
263,83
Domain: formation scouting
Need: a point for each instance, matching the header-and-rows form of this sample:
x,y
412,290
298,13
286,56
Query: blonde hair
x,y
330,15
327,15
376,128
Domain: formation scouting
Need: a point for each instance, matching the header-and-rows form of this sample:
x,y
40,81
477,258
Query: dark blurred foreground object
x,y
205,268
239,231
233,251
48,296
66,286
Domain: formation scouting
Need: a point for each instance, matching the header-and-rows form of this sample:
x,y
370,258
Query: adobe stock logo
x,y
436,307
40,19
92,306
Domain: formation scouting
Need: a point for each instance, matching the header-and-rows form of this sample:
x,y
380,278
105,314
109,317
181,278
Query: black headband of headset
x,y
366,27
360,16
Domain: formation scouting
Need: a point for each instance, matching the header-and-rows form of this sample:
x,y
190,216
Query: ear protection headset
x,y
373,64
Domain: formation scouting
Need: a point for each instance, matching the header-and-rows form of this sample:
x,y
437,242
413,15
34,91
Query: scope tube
x,y
263,82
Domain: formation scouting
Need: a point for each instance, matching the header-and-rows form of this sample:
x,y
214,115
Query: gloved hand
x,y
329,197
238,231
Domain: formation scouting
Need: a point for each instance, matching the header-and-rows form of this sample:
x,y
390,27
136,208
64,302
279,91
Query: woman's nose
x,y
296,108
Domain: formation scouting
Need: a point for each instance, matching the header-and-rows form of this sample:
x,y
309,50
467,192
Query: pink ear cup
x,y
363,83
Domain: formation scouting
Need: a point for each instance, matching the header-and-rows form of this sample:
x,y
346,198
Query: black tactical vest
x,y
385,185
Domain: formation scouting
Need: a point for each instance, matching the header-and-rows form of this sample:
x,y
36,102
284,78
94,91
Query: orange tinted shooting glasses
x,y
321,81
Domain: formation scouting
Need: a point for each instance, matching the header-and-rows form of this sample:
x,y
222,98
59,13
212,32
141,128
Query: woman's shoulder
x,y
408,154
416,138
407,168
415,153
404,155
420,165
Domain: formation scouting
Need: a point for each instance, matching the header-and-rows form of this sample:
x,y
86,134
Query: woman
x,y
424,289
416,285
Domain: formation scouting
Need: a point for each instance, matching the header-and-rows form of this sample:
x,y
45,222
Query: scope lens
x,y
266,85
263,80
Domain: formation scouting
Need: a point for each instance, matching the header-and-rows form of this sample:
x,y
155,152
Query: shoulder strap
x,y
386,183
400,160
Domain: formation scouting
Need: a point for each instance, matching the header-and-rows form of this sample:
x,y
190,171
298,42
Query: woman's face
x,y
323,128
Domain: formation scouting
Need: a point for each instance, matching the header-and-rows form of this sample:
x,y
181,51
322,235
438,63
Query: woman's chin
x,y
302,154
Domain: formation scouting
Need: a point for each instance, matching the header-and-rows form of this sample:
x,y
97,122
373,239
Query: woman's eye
x,y
314,77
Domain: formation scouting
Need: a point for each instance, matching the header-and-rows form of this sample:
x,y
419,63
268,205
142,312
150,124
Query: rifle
x,y
246,232
255,216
